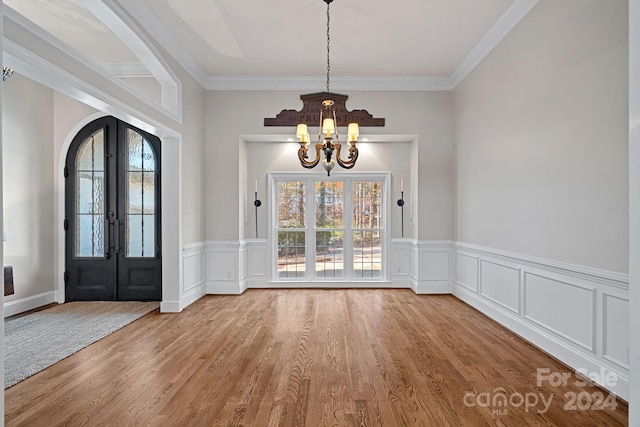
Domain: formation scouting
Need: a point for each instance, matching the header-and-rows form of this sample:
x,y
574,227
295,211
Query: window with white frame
x,y
329,228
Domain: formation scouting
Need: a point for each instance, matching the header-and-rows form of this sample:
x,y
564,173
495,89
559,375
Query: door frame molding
x,y
171,202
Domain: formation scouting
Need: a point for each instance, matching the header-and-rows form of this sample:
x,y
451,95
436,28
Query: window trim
x,y
311,280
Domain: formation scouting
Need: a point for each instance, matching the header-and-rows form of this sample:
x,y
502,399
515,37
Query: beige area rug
x,y
38,340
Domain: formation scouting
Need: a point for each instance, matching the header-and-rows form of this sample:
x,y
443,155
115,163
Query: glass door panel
x,y
140,209
112,214
329,207
291,229
90,201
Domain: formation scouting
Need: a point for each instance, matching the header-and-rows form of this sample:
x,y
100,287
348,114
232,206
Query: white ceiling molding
x,y
33,66
509,19
114,18
138,10
44,72
318,83
126,69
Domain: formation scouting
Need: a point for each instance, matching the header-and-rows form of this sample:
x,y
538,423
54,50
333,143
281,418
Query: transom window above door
x,y
329,228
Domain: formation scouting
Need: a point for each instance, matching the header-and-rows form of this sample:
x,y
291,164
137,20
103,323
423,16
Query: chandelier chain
x,y
328,49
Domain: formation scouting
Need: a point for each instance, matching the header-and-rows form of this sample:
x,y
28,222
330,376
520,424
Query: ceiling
x,y
286,39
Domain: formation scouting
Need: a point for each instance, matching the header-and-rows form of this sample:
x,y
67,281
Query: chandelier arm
x,y
303,155
351,160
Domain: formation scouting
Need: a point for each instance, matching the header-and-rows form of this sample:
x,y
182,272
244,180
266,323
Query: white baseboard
x,y
30,303
192,295
290,284
170,307
435,287
257,283
223,288
404,283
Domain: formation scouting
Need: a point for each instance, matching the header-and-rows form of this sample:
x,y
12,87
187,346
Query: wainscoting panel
x,y
577,314
257,249
401,262
615,326
224,267
466,271
193,273
243,259
501,284
415,266
548,303
435,267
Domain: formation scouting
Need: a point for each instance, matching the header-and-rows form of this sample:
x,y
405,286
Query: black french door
x,y
112,214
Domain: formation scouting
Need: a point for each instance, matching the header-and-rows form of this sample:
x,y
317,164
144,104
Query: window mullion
x,y
310,226
348,231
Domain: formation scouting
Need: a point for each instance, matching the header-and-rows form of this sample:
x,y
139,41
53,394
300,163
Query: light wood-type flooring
x,y
357,357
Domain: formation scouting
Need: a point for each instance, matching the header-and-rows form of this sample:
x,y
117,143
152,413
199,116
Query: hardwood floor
x,y
310,358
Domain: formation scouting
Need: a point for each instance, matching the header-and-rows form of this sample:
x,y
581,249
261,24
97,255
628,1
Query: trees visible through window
x,y
329,229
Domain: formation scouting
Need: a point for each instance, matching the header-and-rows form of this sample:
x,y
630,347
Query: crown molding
x,y
509,19
410,83
138,10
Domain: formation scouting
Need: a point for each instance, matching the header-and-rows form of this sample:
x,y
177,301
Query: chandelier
x,y
328,138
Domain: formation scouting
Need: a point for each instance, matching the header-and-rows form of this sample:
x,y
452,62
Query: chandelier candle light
x,y
328,126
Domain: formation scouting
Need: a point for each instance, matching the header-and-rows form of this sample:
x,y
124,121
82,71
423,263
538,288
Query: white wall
x,y
265,157
232,114
28,193
147,86
634,209
542,214
192,158
541,138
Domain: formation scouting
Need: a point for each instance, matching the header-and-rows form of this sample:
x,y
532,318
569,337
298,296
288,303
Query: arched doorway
x,y
112,214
